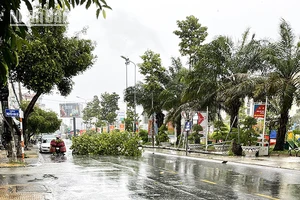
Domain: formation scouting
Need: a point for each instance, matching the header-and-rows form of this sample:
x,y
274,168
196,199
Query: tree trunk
x,y
178,128
160,119
27,112
280,137
234,112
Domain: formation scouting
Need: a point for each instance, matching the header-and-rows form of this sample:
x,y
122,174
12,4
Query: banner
x,y
259,111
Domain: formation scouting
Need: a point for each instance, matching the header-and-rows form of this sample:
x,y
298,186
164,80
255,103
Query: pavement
x,y
32,157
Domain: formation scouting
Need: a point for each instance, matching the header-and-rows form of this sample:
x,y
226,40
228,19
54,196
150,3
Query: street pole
x,y
127,62
186,140
74,126
22,137
152,122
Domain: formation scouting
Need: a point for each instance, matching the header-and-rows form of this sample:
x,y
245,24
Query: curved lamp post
x,y
127,62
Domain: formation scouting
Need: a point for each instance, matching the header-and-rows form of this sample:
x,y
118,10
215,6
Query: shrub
x,y
113,143
162,135
144,135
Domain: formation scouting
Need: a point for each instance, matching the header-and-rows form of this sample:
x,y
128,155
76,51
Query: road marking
x,y
206,181
266,196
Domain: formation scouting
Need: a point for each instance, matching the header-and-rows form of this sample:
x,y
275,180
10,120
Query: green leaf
x,y
51,3
104,14
106,6
77,2
59,3
88,3
97,12
82,2
103,1
68,4
3,72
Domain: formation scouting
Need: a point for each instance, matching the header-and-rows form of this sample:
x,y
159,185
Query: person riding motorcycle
x,y
57,146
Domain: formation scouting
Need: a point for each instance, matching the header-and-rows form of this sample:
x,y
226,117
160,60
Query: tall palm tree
x,y
173,93
283,59
222,67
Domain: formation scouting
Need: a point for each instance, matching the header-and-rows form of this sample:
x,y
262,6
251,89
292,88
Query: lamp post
x,y
127,62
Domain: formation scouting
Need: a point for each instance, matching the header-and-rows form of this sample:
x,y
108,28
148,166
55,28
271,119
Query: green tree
x,y
91,111
147,92
191,34
283,57
109,106
51,60
12,37
41,121
224,67
172,94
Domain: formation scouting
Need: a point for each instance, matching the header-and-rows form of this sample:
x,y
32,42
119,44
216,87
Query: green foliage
x,y
91,110
162,135
41,121
109,106
195,136
221,131
192,35
113,144
144,135
248,136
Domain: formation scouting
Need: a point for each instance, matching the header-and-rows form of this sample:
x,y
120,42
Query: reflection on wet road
x,y
154,176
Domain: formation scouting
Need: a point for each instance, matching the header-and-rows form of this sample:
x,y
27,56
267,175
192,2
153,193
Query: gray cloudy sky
x,y
137,25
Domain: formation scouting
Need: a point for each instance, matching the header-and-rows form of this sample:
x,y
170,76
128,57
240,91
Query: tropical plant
x,y
283,58
248,136
162,135
220,132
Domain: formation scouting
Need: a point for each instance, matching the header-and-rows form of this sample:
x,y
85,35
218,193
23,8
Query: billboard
x,y
69,110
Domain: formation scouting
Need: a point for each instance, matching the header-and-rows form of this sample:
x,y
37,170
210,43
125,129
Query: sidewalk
x,y
31,158
285,162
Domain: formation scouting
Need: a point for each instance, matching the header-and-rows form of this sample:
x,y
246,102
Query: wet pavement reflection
x,y
153,176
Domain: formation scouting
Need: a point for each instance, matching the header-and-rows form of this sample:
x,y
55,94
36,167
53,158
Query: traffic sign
x,y
12,113
188,126
200,118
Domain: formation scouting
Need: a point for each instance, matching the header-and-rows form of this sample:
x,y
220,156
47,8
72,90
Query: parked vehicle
x,y
45,143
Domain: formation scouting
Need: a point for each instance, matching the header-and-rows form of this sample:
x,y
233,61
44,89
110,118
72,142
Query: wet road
x,y
154,176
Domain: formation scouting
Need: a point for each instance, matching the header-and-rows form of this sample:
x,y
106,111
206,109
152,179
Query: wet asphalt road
x,y
154,176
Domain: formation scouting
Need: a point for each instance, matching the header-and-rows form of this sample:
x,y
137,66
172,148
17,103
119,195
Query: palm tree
x,y
223,68
283,59
173,93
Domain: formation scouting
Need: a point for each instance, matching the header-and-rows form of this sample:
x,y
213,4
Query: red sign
x,y
259,111
200,118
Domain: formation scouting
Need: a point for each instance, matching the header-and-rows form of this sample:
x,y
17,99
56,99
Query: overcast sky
x,y
133,26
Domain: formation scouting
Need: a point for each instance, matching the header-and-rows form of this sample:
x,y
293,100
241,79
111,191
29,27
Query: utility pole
x,y
152,123
74,126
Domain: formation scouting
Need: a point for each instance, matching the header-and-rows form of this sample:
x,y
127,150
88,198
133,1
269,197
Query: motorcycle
x,y
58,152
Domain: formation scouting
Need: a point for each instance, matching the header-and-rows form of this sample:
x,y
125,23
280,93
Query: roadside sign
x,y
12,113
188,126
259,111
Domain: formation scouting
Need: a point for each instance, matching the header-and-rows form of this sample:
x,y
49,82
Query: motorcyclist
x,y
58,142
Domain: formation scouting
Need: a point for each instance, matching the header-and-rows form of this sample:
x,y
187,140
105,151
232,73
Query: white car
x,y
45,144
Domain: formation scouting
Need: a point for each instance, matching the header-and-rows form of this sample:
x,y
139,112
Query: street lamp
x,y
127,62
